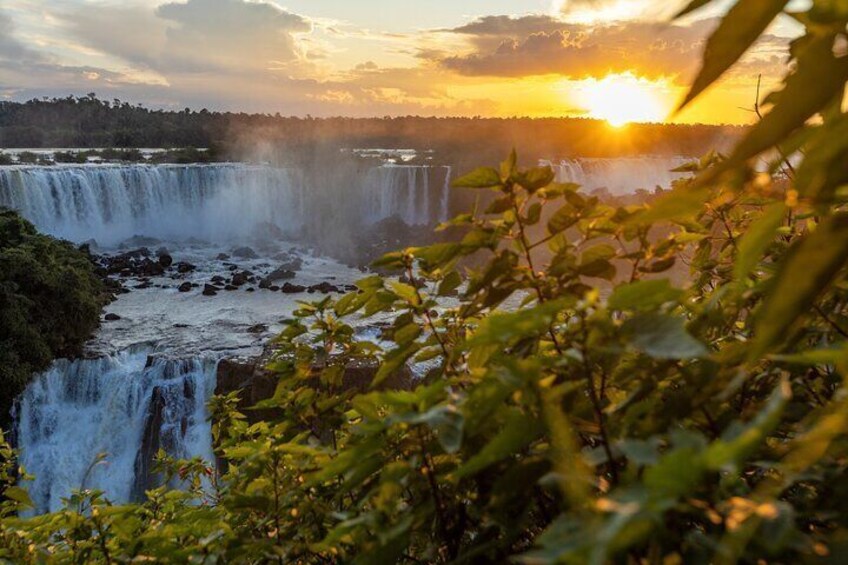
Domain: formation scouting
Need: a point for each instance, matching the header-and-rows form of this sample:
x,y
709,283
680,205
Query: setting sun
x,y
623,98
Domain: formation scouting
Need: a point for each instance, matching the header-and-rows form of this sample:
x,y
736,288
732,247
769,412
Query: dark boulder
x,y
184,267
289,288
279,275
185,287
245,253
165,260
209,290
111,317
323,288
241,278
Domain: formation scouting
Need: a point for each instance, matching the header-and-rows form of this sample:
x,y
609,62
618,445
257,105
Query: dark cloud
x,y
540,45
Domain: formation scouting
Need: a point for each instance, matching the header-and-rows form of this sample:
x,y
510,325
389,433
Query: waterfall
x,y
406,192
112,203
620,175
444,199
219,203
125,406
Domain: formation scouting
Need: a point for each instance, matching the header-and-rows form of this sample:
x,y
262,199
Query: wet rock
x,y
222,257
289,288
245,253
279,275
185,267
185,287
250,289
209,290
240,279
145,477
264,283
273,288
111,317
165,260
324,288
218,279
258,329
230,287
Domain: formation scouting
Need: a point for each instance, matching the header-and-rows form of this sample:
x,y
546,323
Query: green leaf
x,y
508,167
738,30
502,328
450,283
350,303
555,190
484,177
824,168
680,203
662,337
644,295
536,178
517,431
438,255
405,292
500,205
19,495
393,260
447,423
742,442
407,333
395,361
757,238
807,269
563,219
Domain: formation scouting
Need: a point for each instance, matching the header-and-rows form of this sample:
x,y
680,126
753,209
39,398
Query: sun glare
x,y
623,98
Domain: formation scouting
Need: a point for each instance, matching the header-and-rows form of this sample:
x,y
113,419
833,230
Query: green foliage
x,y
50,303
574,402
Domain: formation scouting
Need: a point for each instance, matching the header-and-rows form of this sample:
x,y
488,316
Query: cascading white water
x,y
125,406
219,203
111,203
620,175
405,191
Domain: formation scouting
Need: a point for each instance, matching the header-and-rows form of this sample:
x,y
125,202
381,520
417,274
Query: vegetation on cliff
x,y
50,303
703,423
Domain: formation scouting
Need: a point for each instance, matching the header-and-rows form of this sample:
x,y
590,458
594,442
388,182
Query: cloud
x,y
10,48
209,35
539,45
502,46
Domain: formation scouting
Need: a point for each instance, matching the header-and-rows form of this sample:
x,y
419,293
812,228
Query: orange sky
x,y
621,60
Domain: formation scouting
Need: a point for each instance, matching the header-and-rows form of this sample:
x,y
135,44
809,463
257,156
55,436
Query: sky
x,y
620,60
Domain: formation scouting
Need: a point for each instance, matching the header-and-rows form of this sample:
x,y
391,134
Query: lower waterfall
x,y
126,407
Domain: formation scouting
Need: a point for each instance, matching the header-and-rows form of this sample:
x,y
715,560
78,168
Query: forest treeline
x,y
89,121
